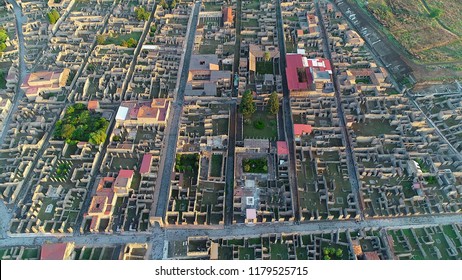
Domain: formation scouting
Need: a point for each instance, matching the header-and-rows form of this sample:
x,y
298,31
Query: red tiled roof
x,y
282,148
93,105
146,163
124,173
294,63
53,251
300,129
228,15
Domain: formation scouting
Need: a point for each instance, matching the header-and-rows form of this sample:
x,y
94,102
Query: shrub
x,y
259,125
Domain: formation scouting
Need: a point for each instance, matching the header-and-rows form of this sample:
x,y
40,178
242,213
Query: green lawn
x,y
47,216
2,80
217,160
374,128
365,80
188,164
269,131
211,6
117,39
265,67
255,165
279,252
246,253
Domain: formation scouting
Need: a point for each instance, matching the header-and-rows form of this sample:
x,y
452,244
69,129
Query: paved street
x,y
20,20
288,125
158,235
171,136
352,172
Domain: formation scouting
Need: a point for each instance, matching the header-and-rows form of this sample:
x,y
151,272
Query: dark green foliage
x,y
141,13
130,43
3,39
435,13
255,165
186,162
330,253
259,124
247,106
431,180
100,39
164,4
79,124
63,168
53,16
273,103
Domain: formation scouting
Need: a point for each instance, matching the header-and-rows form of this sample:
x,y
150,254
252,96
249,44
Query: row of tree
x,y
247,106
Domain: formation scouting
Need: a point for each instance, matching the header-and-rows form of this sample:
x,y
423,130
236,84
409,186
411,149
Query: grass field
x,y
269,130
451,16
117,39
429,38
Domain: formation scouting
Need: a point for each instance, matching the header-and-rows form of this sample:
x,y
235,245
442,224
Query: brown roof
x,y
53,251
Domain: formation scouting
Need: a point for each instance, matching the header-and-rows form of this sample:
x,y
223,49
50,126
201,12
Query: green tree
x,y
435,13
267,56
141,13
164,4
3,39
100,39
131,43
53,16
273,103
67,131
173,4
97,137
247,106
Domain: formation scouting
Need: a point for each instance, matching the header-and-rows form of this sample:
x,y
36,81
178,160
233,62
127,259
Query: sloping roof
x,y
282,148
300,129
146,163
93,105
294,70
54,251
124,173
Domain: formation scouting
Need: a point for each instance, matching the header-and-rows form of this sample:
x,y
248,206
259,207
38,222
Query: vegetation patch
x,y
3,38
330,253
265,67
79,124
255,165
2,80
53,16
217,161
141,14
188,164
